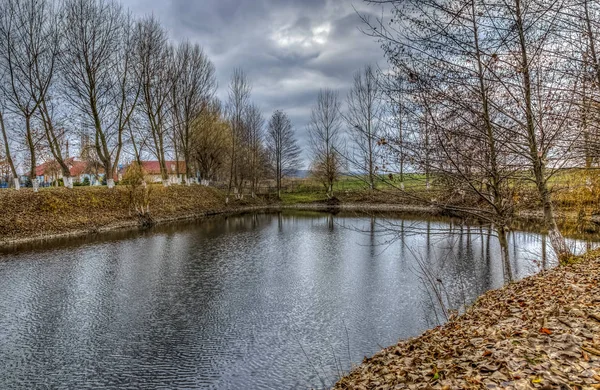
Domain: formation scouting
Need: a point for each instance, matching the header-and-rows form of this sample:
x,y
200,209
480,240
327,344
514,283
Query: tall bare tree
x,y
283,148
237,105
194,86
364,118
325,131
43,40
7,152
23,29
98,70
5,139
486,80
154,73
541,86
255,153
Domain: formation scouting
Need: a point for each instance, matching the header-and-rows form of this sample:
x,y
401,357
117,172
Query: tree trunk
x,y
31,146
67,181
109,170
556,238
505,254
8,155
163,165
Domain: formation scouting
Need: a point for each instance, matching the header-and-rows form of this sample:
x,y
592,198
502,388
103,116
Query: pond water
x,y
278,301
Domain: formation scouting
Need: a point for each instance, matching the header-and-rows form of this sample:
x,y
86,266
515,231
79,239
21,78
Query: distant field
x,y
572,189
310,190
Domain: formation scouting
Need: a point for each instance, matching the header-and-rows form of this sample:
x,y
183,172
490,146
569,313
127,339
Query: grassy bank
x,y
540,333
28,216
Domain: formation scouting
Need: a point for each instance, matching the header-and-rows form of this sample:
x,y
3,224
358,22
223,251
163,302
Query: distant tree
x,y
254,123
325,131
194,85
364,118
211,141
237,105
155,75
283,148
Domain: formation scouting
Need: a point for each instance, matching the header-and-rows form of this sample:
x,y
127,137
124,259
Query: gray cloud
x,y
289,48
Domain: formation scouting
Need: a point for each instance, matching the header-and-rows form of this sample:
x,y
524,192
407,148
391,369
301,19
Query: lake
x,y
257,301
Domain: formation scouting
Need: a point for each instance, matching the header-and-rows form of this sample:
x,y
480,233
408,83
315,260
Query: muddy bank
x,y
27,217
540,333
58,213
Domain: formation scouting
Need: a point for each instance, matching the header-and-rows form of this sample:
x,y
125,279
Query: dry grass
x,y
25,214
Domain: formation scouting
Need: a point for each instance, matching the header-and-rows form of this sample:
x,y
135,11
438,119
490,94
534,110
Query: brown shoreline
x,y
194,211
133,225
540,333
402,366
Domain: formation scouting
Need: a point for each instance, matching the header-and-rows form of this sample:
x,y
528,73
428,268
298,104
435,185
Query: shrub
x,y
139,193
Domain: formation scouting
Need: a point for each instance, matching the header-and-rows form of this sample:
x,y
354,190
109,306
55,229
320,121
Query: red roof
x,y
76,167
153,167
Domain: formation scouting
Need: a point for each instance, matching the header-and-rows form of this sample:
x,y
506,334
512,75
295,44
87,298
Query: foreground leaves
x,y
540,333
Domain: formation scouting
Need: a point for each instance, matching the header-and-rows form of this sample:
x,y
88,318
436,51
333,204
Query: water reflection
x,y
257,301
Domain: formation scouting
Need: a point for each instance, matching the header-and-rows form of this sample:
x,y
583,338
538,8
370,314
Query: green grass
x,y
354,183
302,197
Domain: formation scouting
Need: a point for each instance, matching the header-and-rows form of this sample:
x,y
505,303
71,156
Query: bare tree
x,y
7,152
533,33
155,75
486,81
325,139
44,46
23,29
256,158
364,118
8,155
194,86
238,103
283,148
98,71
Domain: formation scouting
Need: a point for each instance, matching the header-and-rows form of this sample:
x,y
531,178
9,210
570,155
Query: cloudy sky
x,y
289,48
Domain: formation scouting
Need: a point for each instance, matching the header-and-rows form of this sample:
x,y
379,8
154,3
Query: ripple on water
x,y
256,301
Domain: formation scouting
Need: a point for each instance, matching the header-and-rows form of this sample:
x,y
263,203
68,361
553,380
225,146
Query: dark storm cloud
x,y
289,48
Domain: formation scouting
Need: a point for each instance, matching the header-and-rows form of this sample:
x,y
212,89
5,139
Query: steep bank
x,y
51,213
540,333
26,216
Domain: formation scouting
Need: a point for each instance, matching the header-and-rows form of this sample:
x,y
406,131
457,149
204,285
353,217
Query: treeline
x,y
491,97
483,97
87,70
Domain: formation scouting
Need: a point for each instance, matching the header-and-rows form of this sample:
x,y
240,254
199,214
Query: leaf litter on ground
x,y
540,333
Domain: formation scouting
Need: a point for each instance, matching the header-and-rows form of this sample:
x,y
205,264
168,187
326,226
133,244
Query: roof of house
x,y
76,167
153,167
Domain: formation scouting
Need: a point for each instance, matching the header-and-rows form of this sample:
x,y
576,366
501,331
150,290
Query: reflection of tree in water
x,y
453,270
430,251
